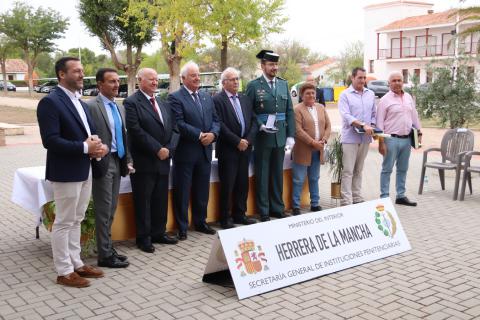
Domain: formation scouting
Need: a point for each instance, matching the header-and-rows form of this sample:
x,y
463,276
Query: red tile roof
x,y
321,64
16,65
432,19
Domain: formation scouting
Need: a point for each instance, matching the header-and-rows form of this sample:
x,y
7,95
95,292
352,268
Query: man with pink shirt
x,y
396,115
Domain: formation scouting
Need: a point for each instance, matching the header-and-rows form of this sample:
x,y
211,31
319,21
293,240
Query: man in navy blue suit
x,y
199,127
68,134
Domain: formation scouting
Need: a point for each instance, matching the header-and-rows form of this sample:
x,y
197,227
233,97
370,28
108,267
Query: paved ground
x,y
438,279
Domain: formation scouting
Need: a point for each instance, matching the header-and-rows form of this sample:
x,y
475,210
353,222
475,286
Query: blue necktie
x,y
197,101
118,130
239,113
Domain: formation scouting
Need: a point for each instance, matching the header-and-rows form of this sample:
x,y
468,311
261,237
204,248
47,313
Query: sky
x,y
324,26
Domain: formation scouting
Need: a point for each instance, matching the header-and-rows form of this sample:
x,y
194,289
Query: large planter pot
x,y
335,190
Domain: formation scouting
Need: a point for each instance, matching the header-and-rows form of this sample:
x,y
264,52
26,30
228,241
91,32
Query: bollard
x,y
2,137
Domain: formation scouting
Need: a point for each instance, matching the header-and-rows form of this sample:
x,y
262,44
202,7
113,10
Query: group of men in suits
x,y
98,142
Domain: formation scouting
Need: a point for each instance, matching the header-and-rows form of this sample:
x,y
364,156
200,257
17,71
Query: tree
x,y
241,58
45,65
238,22
470,14
90,61
292,55
183,24
155,61
33,32
6,49
112,23
448,99
350,57
291,72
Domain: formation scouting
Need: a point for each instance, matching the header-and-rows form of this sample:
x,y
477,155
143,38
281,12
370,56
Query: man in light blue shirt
x,y
357,109
109,119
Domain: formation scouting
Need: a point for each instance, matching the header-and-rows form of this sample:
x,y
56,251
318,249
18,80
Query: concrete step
x,y
11,129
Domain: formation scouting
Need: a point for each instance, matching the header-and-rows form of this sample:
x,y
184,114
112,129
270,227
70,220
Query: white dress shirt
x,y
75,98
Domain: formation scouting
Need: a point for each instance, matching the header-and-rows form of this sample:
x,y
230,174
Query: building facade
x,y
16,69
413,39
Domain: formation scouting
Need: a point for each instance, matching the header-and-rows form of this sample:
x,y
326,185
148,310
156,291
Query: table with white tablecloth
x,y
31,192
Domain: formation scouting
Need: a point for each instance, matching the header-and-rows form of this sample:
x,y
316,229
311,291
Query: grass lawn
x,y
15,115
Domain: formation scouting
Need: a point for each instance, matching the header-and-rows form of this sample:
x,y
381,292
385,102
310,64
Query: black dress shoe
x,y
205,228
296,211
404,201
120,257
112,262
316,208
148,248
244,220
182,235
278,215
264,218
227,225
165,239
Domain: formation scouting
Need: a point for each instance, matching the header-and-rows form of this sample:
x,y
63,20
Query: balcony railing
x,y
426,51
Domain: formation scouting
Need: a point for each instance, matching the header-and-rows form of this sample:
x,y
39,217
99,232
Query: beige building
x,y
413,38
16,69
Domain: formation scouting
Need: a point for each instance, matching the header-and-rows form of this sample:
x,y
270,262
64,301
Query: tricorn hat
x,y
268,55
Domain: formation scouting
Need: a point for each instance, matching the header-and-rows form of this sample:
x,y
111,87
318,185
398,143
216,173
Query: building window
x,y
370,66
416,73
405,75
10,77
448,45
422,49
471,72
429,76
395,46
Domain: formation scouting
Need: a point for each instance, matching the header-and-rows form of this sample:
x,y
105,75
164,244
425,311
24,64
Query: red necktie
x,y
152,100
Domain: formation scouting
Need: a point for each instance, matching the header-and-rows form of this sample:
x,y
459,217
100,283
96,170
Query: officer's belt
x,y
264,116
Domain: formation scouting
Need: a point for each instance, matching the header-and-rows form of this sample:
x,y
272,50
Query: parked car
x,y
295,88
379,87
90,90
46,87
10,86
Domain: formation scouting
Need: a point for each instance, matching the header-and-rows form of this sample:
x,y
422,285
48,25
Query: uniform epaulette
x,y
281,78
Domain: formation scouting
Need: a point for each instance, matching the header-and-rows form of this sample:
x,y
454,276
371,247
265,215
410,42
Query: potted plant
x,y
87,234
334,160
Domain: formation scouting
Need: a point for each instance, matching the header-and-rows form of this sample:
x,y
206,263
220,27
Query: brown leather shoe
x,y
89,272
73,280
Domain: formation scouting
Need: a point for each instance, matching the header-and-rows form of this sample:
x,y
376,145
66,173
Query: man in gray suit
x,y
109,120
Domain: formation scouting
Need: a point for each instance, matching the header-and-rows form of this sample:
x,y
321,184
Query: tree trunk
x,y
30,72
130,70
4,76
223,54
174,71
131,73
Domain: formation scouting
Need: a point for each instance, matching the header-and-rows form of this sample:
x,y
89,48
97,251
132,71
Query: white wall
x,y
378,16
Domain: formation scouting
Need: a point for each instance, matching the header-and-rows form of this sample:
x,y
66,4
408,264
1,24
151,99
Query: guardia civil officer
x,y
272,106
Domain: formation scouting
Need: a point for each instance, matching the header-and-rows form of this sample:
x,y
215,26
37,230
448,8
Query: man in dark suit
x,y
233,149
109,119
153,137
199,127
319,92
68,134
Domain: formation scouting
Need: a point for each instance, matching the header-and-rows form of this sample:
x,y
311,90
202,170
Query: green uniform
x,y
269,149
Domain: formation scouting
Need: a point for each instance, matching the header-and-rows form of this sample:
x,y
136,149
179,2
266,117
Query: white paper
x,y
270,121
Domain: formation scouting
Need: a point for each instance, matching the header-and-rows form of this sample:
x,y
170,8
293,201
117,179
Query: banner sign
x,y
266,256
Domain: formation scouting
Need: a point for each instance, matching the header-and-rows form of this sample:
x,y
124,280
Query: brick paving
x,y
438,279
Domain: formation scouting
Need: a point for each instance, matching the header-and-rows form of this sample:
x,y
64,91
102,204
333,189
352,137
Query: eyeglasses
x,y
232,79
